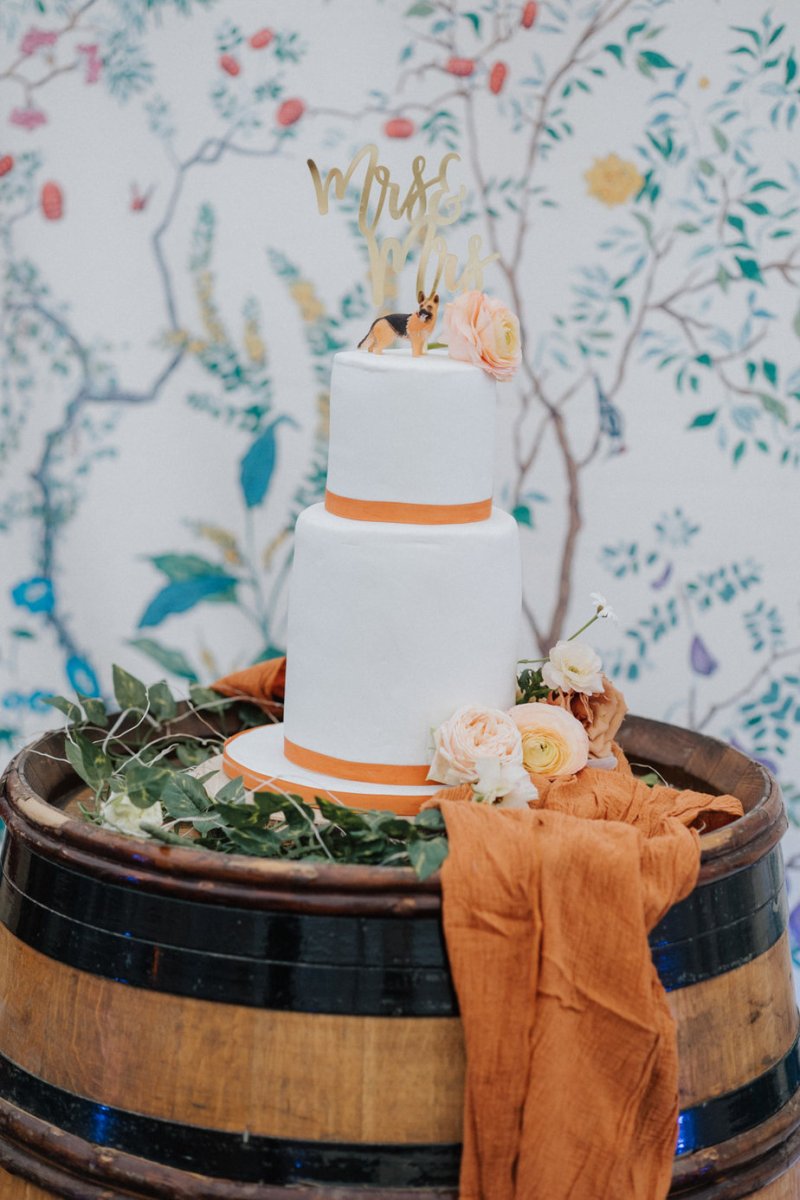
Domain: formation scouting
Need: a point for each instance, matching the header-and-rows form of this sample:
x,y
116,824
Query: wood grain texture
x,y
13,1187
375,1079
735,1026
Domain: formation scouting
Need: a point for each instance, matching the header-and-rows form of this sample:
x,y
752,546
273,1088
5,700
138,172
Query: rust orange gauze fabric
x,y
571,1085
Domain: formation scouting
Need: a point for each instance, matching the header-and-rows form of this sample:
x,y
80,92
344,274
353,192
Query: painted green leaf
x,y
796,323
736,222
749,268
739,451
791,67
255,472
706,167
654,59
522,515
617,51
180,567
129,691
475,19
180,597
719,138
703,419
767,183
770,370
174,661
422,8
772,405
756,207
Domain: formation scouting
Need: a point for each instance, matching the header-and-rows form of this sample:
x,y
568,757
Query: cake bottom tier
x,y
257,757
391,629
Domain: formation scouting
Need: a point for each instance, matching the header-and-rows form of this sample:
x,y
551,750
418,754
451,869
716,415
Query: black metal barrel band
x,y
283,1161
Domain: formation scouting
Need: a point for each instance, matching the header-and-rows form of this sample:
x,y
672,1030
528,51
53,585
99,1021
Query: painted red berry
x,y
497,77
529,14
290,111
460,66
261,39
230,64
6,163
399,127
52,201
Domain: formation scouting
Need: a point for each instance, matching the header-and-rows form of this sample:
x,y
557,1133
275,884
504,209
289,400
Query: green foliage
x,y
150,766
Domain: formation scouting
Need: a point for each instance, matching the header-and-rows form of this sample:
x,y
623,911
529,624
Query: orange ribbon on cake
x,y
363,772
398,513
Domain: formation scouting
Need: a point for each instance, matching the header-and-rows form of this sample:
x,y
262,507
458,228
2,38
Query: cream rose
x,y
120,814
470,734
573,667
553,741
480,329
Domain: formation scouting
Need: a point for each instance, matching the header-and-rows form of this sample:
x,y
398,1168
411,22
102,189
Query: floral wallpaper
x,y
171,302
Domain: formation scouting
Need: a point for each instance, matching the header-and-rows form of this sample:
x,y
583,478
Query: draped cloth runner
x,y
572,1073
572,1077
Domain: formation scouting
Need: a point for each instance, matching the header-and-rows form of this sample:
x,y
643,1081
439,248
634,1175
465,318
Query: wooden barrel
x,y
177,1023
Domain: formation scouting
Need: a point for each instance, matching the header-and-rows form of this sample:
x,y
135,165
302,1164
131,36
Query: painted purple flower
x,y
28,118
34,39
702,660
35,594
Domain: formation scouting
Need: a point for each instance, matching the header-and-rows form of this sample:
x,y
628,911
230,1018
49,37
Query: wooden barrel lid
x,y
38,784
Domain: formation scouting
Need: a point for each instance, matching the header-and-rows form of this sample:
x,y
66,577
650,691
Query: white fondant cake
x,y
411,430
405,608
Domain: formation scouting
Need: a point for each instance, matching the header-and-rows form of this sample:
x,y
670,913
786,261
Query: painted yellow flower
x,y
309,303
703,82
613,180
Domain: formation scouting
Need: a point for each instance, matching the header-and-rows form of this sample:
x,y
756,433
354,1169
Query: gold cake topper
x,y
428,205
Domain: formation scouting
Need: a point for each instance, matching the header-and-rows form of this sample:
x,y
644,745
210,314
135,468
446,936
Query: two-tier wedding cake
x,y
405,595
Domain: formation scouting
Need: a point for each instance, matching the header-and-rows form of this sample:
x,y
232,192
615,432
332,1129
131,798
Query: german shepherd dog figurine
x,y
417,327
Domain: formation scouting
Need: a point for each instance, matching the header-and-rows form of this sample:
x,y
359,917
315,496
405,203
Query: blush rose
x,y
479,329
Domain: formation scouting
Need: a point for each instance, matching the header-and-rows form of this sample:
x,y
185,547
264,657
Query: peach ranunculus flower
x,y
553,741
600,714
470,734
613,180
479,329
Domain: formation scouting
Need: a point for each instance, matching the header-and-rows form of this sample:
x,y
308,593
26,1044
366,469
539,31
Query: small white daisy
x,y
602,606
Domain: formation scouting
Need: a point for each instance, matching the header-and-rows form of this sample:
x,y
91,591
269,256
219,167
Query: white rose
x,y
573,667
506,784
121,814
472,733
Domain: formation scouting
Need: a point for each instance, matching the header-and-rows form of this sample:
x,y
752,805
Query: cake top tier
x,y
408,435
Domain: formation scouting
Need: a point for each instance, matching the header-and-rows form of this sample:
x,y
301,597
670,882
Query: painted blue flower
x,y
35,594
82,677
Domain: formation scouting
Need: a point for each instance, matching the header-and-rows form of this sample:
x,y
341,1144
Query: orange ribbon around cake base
x,y
394,512
324,764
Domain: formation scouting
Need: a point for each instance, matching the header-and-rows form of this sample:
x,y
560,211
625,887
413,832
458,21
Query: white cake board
x,y
257,756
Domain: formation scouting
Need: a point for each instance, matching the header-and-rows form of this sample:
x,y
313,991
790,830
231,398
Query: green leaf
x,y
736,222
95,710
770,370
522,515
180,567
191,754
207,698
616,50
704,419
739,451
756,207
476,21
65,706
772,405
167,835
231,793
88,759
145,785
705,167
767,183
427,856
129,691
796,323
749,268
185,796
162,701
171,660
422,8
654,59
719,138
687,227
791,67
